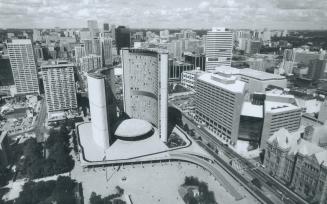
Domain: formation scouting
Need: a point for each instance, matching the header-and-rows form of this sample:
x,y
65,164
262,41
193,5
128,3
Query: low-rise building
x,y
295,159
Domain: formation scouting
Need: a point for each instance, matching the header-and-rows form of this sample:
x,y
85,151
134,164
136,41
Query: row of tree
x,y
48,159
61,191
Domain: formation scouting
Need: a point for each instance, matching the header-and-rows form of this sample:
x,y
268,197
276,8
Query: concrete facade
x,y
145,86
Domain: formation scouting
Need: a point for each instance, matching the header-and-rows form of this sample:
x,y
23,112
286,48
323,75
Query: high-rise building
x,y
96,46
218,48
218,103
189,78
88,45
91,62
279,112
102,106
123,38
252,46
23,66
106,51
37,35
322,117
59,86
79,53
93,27
176,68
85,34
38,53
145,86
6,77
197,60
106,27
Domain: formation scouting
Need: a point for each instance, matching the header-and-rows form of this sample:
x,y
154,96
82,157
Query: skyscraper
x,y
218,48
92,25
145,83
102,106
91,62
23,66
123,36
106,27
59,86
79,53
106,50
218,103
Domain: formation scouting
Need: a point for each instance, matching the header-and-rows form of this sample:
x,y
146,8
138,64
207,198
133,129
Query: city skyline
x,y
274,14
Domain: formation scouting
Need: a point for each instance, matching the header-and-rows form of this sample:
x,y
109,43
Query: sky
x,y
195,14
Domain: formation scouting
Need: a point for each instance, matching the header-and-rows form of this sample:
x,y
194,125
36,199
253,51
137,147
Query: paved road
x,y
275,187
210,167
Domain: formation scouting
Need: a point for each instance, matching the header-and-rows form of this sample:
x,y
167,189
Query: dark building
x,y
176,68
123,38
197,60
106,27
317,70
6,76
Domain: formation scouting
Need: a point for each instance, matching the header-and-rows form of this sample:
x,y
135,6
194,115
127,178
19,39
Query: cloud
x,y
165,13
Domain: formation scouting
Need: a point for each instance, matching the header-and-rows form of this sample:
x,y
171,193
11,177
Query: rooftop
x,y
236,86
276,107
133,128
251,110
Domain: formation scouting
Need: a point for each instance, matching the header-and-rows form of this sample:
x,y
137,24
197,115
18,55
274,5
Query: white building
x,y
218,48
23,66
279,112
59,86
145,86
218,103
188,79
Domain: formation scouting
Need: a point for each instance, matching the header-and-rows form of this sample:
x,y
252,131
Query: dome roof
x,y
132,129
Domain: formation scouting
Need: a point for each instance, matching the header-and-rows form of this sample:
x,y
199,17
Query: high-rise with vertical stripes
x,y
218,48
23,66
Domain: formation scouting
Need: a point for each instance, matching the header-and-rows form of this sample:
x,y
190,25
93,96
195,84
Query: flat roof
x,y
249,73
237,86
133,128
276,107
251,110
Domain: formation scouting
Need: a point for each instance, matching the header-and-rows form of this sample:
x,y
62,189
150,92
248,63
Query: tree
x,y
186,128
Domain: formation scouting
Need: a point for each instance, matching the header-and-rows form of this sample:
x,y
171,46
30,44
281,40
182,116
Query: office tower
x,y
5,149
176,68
106,27
317,70
38,53
122,38
106,51
188,79
279,112
218,103
252,46
93,27
102,106
59,86
79,53
197,60
88,45
85,34
322,117
145,86
96,49
91,62
6,76
113,32
218,48
37,35
23,66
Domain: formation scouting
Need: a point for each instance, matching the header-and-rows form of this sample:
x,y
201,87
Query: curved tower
x,y
145,82
102,106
